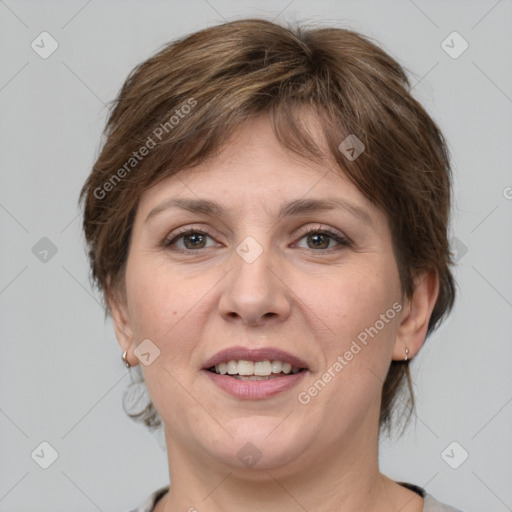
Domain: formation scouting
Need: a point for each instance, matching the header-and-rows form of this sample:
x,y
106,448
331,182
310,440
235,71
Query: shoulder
x,y
432,505
149,503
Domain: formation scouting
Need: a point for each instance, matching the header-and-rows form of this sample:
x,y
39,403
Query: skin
x,y
310,301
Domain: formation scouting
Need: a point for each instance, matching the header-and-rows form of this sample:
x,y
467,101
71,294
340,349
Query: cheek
x,y
162,307
359,307
156,298
347,303
169,310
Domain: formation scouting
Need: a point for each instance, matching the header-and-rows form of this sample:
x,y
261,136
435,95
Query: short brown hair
x,y
200,88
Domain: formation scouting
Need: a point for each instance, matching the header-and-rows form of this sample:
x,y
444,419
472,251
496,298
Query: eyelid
x,y
324,229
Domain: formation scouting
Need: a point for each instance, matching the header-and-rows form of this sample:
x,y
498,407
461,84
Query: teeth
x,y
245,368
276,366
255,377
257,369
232,367
262,368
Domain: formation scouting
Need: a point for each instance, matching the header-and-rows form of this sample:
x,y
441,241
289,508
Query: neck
x,y
346,479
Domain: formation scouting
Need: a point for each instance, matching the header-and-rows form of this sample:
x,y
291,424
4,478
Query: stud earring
x,y
406,354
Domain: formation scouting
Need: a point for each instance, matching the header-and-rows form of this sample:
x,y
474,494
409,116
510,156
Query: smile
x,y
254,373
254,370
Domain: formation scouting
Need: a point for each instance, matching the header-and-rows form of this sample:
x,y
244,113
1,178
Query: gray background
x,y
61,375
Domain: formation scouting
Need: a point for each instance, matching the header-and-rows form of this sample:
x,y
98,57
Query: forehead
x,y
253,169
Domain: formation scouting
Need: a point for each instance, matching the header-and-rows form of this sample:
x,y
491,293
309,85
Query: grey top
x,y
430,503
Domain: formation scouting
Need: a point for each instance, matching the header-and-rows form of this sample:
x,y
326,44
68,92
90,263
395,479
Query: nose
x,y
255,294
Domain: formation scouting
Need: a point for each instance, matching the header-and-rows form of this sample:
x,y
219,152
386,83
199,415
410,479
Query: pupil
x,y
195,238
320,237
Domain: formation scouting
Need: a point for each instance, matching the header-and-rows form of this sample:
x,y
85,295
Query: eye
x,y
192,239
320,239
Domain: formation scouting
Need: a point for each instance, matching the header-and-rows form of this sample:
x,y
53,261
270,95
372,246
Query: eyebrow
x,y
293,208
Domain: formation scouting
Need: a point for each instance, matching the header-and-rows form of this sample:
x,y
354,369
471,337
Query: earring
x,y
125,359
406,354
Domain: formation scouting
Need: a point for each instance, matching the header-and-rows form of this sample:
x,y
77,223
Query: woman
x,y
267,220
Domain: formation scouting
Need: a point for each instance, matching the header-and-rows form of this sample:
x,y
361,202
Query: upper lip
x,y
254,354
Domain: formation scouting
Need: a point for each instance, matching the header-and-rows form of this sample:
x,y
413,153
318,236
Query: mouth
x,y
253,374
243,369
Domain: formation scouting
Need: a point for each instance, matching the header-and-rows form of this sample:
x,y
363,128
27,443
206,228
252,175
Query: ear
x,y
118,307
416,315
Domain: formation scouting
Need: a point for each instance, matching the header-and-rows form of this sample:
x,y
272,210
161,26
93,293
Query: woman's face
x,y
247,283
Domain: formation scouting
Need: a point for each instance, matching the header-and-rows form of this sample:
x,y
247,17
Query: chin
x,y
261,443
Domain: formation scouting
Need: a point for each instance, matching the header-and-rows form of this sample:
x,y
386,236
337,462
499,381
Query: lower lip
x,y
255,389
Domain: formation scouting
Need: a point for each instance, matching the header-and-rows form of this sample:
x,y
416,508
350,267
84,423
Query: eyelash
x,y
341,240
